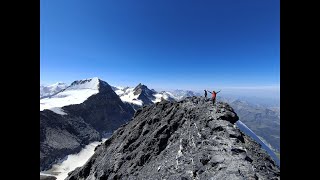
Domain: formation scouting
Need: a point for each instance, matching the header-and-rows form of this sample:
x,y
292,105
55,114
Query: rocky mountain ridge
x,y
189,139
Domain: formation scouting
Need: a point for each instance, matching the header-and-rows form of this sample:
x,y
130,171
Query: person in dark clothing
x,y
205,94
214,96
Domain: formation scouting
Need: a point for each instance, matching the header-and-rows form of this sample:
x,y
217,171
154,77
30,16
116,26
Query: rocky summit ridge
x,y
189,139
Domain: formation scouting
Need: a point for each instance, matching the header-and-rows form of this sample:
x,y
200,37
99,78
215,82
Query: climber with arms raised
x,y
214,96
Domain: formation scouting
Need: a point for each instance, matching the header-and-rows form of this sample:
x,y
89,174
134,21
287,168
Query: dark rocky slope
x,y
47,178
61,135
189,139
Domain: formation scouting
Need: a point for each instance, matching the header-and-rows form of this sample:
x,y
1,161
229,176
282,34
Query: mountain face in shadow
x,y
67,129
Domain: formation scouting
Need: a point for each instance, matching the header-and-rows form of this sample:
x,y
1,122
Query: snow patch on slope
x,y
58,110
160,96
127,95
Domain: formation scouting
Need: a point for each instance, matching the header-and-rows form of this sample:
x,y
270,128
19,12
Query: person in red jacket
x,y
214,96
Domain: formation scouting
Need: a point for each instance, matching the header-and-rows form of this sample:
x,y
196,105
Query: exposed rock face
x,y
83,123
189,139
62,135
47,178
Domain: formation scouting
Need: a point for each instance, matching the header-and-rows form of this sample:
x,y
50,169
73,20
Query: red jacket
x,y
214,94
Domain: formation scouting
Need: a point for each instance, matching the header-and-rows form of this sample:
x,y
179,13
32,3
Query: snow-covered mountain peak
x,y
76,93
141,86
142,95
92,83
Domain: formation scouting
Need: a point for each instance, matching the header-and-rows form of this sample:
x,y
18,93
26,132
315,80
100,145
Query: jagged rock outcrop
x,y
189,139
80,124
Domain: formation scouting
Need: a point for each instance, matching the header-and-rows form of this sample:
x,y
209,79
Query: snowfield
x,y
58,110
61,170
67,97
76,93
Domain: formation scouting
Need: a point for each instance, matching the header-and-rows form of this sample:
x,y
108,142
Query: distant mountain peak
x,y
82,113
91,83
49,90
141,86
82,81
141,95
76,93
56,84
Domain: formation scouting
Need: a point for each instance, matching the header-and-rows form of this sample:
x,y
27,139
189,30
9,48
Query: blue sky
x,y
165,44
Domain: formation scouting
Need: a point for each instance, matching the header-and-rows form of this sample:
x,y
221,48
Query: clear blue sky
x,y
174,44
